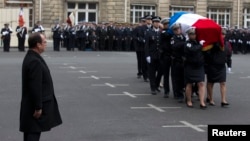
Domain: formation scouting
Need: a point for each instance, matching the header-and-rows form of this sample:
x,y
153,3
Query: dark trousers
x,y
139,62
6,45
110,43
177,75
166,63
56,44
31,136
21,42
154,73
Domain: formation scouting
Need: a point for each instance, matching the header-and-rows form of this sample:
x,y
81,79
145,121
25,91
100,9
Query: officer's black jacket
x,y
152,45
178,44
165,44
193,53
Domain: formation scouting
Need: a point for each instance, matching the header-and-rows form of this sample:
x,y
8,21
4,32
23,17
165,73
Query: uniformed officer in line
x,y
127,37
139,47
102,37
119,37
65,35
72,38
152,53
6,36
38,27
166,55
21,36
145,28
56,29
178,42
111,36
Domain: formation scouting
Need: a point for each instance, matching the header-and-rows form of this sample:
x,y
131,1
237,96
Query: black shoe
x,y
153,92
180,100
166,95
203,107
224,104
145,80
207,100
138,76
158,90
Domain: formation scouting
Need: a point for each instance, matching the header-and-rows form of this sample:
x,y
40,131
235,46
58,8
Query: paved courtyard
x,y
101,99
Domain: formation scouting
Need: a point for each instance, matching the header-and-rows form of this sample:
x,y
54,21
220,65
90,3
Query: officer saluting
x,y
152,53
38,27
6,34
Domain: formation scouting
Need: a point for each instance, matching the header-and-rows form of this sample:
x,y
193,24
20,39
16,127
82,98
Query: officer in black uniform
x,y
21,35
139,49
6,35
166,55
145,28
152,53
111,36
38,28
102,37
178,42
56,36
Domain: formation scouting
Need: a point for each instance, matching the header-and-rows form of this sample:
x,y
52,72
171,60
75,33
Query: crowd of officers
x,y
91,36
164,51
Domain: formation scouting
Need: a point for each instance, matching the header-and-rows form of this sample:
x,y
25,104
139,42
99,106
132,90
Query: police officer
x,y
56,36
38,28
152,53
194,68
166,55
6,36
21,35
145,28
139,48
111,36
178,42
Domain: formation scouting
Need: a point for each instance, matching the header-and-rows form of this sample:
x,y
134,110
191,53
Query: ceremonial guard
x,y
152,53
111,36
119,38
21,36
139,48
66,36
6,36
178,42
38,28
56,37
166,55
194,68
72,38
102,37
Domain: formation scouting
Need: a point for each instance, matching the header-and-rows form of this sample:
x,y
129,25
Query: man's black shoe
x,y
166,96
153,92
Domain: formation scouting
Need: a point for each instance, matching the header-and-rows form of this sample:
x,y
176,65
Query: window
x,y
174,9
221,16
83,11
138,11
246,18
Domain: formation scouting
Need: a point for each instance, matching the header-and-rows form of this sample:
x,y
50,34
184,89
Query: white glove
x,y
148,59
202,42
37,30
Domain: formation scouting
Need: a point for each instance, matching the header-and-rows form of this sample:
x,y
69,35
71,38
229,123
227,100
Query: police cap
x,y
156,19
176,26
165,20
191,30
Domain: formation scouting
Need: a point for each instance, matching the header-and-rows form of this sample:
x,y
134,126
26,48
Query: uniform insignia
x,y
172,42
189,45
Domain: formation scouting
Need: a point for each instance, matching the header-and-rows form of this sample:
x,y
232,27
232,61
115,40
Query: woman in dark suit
x,y
39,110
216,73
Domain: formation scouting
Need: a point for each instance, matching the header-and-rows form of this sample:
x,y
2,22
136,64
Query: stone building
x,y
225,12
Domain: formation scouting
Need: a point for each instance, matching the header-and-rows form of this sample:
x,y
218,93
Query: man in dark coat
x,y
39,110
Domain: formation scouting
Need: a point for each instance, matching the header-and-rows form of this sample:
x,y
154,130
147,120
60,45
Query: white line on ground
x,y
110,85
187,124
151,106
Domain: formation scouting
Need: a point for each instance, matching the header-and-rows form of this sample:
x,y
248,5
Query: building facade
x,y
224,12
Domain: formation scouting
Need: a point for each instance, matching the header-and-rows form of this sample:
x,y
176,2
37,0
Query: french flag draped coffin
x,y
206,29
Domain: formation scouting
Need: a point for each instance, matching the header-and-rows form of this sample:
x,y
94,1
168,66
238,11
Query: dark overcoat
x,y
37,93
